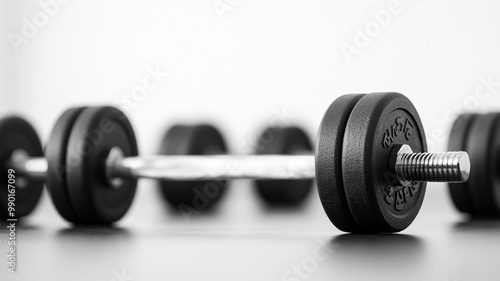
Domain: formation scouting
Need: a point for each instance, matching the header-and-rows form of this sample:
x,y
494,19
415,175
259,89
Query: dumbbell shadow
x,y
399,253
476,225
93,232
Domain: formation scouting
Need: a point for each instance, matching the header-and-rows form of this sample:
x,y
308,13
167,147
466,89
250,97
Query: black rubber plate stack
x,y
458,142
329,163
193,140
377,123
55,153
286,140
76,154
17,134
96,131
483,146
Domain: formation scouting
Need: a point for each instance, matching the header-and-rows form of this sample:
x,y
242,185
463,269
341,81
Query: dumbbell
x,y
18,140
205,139
370,164
478,135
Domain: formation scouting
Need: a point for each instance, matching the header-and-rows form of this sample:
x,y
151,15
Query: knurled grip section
x,y
271,167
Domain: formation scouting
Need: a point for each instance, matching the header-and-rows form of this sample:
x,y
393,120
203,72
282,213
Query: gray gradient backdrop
x,y
253,64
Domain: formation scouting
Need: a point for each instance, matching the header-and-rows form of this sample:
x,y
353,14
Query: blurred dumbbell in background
x,y
21,142
479,135
208,140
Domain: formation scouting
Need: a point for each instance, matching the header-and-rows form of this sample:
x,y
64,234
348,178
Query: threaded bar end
x,y
452,167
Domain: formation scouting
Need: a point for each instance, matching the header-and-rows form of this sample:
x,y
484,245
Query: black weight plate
x,y
459,134
287,140
193,140
377,123
17,134
96,131
55,153
493,168
482,144
329,163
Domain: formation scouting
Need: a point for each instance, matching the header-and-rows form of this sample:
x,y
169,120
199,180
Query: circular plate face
x,y
96,131
378,123
289,140
55,153
18,135
483,148
460,132
193,140
329,162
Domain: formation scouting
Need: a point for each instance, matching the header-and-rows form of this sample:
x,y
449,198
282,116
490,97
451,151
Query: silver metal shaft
x,y
23,164
37,167
432,167
275,167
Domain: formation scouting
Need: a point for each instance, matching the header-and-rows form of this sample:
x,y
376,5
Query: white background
x,y
265,58
248,66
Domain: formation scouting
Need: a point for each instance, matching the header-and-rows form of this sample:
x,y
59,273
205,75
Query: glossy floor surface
x,y
245,240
